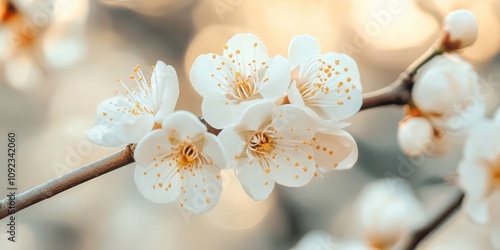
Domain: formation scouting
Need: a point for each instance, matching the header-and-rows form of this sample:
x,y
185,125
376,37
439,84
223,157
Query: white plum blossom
x,y
270,144
479,170
388,211
125,119
242,76
180,161
326,84
417,136
446,91
460,30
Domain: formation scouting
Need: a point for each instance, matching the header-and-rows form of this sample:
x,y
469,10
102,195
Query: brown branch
x,y
436,221
398,93
67,181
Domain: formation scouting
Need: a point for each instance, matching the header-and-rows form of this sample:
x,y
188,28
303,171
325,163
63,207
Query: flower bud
x,y
446,90
461,29
416,136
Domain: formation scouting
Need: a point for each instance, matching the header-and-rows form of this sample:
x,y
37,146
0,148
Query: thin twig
x,y
434,223
67,181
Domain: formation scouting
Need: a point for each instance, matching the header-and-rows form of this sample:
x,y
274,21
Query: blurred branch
x,y
436,221
67,181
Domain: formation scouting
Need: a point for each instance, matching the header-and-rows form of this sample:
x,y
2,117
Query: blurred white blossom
x,y
270,144
127,118
417,136
242,76
387,212
460,30
180,161
479,171
446,94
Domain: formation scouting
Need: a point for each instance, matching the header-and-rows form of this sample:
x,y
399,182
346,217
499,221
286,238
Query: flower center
x,y
143,96
242,88
495,173
261,144
7,11
188,155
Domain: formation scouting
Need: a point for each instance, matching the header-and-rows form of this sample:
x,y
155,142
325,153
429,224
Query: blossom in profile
x,y
479,171
127,118
270,145
181,161
327,85
242,76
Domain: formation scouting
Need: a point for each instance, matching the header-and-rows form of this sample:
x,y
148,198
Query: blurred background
x,y
60,58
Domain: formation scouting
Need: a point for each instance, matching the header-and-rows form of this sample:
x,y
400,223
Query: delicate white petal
x,y
301,49
345,96
166,84
256,114
232,142
497,116
254,180
334,150
316,240
219,112
201,189
213,149
292,168
183,125
293,123
115,126
153,145
104,136
275,82
294,95
245,48
477,209
482,142
205,77
158,181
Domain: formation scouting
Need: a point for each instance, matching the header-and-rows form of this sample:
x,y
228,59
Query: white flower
x,y
446,91
387,211
270,145
461,29
479,170
180,160
242,76
127,118
417,136
328,84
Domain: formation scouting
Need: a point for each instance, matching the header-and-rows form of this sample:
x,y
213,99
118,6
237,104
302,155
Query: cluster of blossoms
x,y
280,122
446,95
